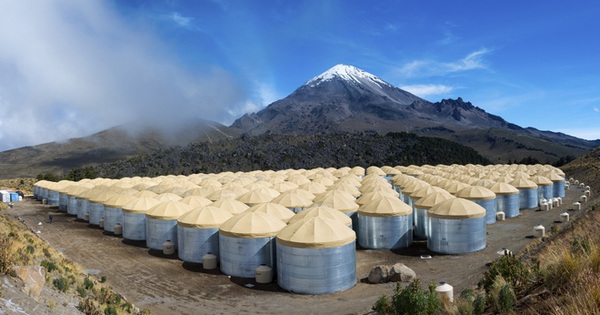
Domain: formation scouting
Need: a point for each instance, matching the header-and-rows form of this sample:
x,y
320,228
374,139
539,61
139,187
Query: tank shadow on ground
x,y
196,267
107,233
141,244
250,283
160,254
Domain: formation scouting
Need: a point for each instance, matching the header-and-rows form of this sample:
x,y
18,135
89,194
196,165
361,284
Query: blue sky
x,y
72,68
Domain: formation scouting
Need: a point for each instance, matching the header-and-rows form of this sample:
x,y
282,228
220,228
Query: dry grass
x,y
21,247
23,184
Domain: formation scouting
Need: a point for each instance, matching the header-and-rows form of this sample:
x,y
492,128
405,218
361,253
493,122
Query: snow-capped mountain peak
x,y
348,73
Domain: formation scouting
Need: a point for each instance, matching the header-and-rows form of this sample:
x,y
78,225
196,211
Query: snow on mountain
x,y
348,73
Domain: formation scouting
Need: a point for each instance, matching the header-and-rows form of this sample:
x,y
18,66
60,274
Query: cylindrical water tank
x,y
198,233
385,223
422,206
113,212
316,256
558,184
456,226
96,206
483,197
74,201
134,218
507,199
161,223
544,186
246,242
528,193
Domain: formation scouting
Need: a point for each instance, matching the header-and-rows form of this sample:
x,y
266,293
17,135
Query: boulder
x,y
378,274
33,278
391,273
399,272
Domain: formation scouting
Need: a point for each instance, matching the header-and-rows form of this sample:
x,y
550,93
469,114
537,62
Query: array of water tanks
x,y
303,225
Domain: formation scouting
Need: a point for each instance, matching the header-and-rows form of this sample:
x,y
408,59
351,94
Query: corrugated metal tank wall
x,y
390,232
448,236
239,257
194,243
509,204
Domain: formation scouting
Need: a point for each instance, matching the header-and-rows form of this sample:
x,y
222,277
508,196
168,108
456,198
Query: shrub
x,y
514,271
81,291
506,299
383,305
103,279
479,305
61,284
6,257
88,284
50,266
110,311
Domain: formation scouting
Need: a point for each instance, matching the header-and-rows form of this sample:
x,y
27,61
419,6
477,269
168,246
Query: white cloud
x,y
71,68
584,133
427,68
596,109
425,90
181,21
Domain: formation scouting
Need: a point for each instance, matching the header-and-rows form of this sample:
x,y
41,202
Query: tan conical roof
x,y
432,199
456,209
346,187
314,188
424,191
251,224
522,183
476,193
504,189
284,186
119,201
274,210
316,232
231,205
413,185
555,177
303,192
291,199
207,217
140,205
145,194
222,194
168,197
322,211
260,195
196,201
168,210
77,190
541,180
339,200
487,183
370,196
385,207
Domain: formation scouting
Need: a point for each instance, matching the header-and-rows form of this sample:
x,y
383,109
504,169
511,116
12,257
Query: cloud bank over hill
x,y
71,68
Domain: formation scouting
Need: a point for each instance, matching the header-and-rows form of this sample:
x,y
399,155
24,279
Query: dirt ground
x,y
166,285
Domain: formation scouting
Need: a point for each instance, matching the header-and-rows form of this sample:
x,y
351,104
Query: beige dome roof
x,y
222,194
119,201
385,207
145,194
413,185
370,196
291,199
314,188
77,190
476,193
284,186
196,201
453,186
304,193
274,210
432,199
207,217
231,205
522,183
338,200
140,205
555,177
168,210
316,232
541,180
322,211
260,195
251,224
346,187
103,196
424,191
487,183
199,191
456,208
504,189
168,197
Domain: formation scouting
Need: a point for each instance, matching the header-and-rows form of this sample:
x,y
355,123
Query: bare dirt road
x,y
165,285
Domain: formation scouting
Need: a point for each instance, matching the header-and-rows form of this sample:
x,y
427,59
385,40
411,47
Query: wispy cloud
x,y
596,109
425,90
181,21
427,68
